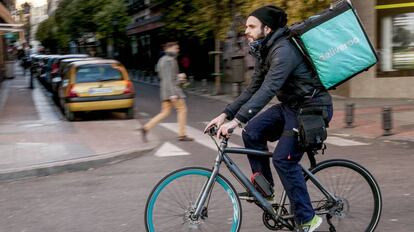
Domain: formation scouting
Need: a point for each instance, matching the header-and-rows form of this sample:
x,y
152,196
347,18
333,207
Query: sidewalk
x,y
36,141
367,121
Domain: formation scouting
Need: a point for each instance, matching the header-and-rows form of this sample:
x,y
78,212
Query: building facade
x,y
52,6
5,19
147,37
144,33
388,23
37,15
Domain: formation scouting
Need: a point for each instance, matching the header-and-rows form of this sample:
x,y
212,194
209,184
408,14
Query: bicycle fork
x,y
206,190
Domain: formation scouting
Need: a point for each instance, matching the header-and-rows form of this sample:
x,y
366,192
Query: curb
x,y
80,164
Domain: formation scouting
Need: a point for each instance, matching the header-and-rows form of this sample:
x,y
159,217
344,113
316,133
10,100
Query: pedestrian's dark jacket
x,y
280,70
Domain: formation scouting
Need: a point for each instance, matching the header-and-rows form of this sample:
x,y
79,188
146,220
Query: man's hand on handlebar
x,y
226,129
223,129
217,122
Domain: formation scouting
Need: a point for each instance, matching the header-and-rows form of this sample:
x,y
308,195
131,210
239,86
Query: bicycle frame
x,y
222,156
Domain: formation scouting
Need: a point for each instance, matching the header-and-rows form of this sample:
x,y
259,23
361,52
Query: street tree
x,y
213,19
202,20
102,18
47,35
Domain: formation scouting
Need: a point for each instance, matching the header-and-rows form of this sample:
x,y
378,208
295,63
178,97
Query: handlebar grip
x,y
212,131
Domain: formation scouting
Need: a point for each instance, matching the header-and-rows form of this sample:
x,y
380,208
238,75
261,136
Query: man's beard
x,y
260,36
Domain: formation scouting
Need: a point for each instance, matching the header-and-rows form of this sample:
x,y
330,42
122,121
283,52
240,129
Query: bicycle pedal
x,y
247,198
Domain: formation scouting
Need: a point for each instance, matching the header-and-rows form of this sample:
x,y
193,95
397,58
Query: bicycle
x,y
201,199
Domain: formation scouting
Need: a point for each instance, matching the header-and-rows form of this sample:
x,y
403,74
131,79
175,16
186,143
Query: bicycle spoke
x,y
173,206
357,211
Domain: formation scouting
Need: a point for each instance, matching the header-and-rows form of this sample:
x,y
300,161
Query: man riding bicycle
x,y
280,70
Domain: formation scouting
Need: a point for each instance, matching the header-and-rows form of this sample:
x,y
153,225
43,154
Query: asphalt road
x,y
112,198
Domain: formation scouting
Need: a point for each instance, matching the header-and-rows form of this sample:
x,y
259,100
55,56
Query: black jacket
x,y
280,71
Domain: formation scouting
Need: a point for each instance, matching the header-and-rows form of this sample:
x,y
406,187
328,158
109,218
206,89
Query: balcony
x,y
145,25
136,5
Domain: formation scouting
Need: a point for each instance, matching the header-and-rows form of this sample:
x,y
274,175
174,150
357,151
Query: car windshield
x,y
97,73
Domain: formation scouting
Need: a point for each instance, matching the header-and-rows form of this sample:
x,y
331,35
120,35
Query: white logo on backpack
x,y
341,48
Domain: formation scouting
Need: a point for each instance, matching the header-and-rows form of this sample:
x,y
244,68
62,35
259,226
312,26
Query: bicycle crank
x,y
270,222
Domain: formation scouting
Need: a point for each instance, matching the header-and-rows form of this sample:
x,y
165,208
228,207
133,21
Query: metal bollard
x,y
236,89
136,75
349,115
387,121
191,82
31,86
204,86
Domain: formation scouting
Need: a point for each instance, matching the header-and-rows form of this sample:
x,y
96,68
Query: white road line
x,y
238,131
203,139
198,135
169,149
338,141
343,142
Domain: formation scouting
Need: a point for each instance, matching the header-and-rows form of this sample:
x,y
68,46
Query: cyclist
x,y
280,70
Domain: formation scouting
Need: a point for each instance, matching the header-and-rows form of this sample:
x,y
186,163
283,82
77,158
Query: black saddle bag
x,y
312,128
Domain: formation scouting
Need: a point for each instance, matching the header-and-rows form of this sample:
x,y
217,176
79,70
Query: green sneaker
x,y
312,225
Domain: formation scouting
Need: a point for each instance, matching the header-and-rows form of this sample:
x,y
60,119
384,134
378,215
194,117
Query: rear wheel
x,y
359,198
70,116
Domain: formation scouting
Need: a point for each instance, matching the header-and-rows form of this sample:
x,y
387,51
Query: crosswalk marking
x,y
343,142
197,134
169,149
204,140
334,140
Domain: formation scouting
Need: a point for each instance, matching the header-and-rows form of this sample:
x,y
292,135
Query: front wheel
x,y
170,206
359,198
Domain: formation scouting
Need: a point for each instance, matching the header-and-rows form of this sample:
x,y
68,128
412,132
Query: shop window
x,y
397,42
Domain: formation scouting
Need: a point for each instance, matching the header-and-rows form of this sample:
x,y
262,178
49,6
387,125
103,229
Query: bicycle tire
x,y
332,174
169,185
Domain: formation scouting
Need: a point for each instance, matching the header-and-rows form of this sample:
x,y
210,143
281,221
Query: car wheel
x,y
70,116
130,113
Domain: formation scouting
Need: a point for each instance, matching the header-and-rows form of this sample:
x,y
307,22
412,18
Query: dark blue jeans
x,y
269,126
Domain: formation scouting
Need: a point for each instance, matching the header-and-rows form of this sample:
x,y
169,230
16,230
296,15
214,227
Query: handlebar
x,y
212,131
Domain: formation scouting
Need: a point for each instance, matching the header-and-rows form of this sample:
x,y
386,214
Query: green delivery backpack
x,y
335,44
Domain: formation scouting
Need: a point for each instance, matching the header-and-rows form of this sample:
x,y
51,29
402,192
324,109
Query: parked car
x,y
52,67
92,85
62,65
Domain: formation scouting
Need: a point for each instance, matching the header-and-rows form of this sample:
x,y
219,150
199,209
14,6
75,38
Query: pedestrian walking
x,y
172,96
280,70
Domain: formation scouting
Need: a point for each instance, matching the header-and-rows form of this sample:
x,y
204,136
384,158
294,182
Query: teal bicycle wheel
x,y
171,204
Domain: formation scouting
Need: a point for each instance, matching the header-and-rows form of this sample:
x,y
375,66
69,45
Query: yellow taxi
x,y
90,85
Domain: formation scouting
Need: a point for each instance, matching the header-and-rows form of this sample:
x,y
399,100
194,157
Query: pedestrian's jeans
x,y
269,126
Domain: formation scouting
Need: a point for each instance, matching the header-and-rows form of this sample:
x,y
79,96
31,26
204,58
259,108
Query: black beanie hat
x,y
271,16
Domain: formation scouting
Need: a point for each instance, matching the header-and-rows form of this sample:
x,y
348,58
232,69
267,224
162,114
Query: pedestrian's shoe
x,y
312,225
143,134
185,138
